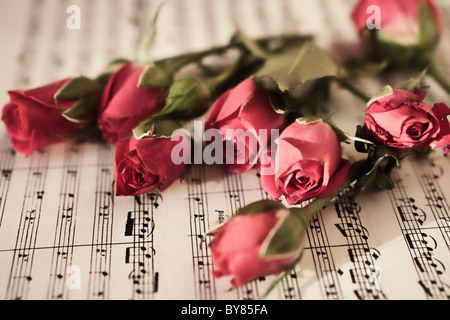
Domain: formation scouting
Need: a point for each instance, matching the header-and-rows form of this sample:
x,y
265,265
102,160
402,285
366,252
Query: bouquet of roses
x,y
265,106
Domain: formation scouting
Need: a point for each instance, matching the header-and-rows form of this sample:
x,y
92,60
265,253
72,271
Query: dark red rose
x,y
146,164
34,121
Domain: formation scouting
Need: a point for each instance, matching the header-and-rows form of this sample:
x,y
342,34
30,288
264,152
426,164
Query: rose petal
x,y
336,180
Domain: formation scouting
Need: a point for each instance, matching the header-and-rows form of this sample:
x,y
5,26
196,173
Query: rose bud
x,y
146,164
404,30
124,104
245,118
400,119
34,120
310,163
264,238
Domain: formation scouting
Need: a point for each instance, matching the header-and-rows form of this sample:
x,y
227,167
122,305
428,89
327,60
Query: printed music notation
x,y
64,236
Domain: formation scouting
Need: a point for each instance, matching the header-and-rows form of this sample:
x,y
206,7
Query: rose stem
x,y
345,84
439,78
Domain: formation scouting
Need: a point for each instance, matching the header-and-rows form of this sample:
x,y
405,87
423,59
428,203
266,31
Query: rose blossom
x,y
144,165
402,120
236,248
400,36
399,19
34,121
124,105
310,163
245,108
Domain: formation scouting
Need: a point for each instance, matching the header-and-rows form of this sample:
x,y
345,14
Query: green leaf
x,y
366,67
297,65
251,45
384,92
261,206
286,238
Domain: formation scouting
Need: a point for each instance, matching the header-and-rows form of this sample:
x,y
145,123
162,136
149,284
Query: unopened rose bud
x,y
124,104
263,239
46,115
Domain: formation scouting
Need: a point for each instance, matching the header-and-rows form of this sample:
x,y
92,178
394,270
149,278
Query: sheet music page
x,y
63,237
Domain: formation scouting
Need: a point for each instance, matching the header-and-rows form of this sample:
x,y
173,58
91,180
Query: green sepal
x,y
383,92
188,98
380,161
87,92
345,137
112,67
413,82
261,206
156,128
84,111
297,65
286,238
155,76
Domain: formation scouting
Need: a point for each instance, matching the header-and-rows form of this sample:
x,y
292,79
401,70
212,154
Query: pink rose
x,y
399,19
145,165
34,121
236,248
310,163
402,120
245,108
124,105
400,26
